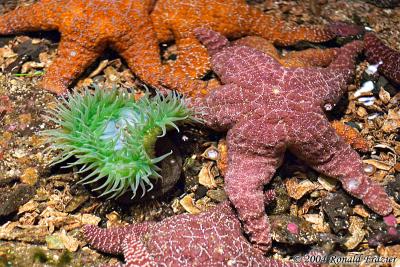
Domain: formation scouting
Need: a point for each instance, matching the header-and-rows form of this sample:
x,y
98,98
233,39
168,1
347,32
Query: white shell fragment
x,y
372,69
367,101
365,88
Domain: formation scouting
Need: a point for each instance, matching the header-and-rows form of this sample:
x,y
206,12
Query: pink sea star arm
x,y
21,19
252,163
376,51
330,83
111,240
73,58
318,144
219,109
135,253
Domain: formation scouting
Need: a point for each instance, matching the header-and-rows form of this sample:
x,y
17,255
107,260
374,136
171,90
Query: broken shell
x,y
392,121
206,176
187,203
360,210
366,87
378,164
314,218
367,101
369,169
297,190
356,231
384,96
211,153
327,183
372,69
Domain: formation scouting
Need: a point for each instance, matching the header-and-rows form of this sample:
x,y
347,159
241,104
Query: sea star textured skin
x,y
268,109
177,20
212,238
87,27
376,51
307,58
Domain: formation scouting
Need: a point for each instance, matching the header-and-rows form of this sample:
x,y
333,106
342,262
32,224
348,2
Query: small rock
x,y
218,195
201,191
76,202
12,198
54,242
61,241
281,203
393,188
29,176
294,230
337,207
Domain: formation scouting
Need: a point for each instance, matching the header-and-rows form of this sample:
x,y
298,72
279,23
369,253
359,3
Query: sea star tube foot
x,y
212,238
268,109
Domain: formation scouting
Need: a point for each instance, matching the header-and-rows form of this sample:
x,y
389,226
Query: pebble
x,y
218,195
30,176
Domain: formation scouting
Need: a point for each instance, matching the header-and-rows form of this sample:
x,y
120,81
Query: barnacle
x,y
113,136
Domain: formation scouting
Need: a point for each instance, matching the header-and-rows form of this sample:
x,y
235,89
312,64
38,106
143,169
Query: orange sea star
x,y
293,59
176,20
87,27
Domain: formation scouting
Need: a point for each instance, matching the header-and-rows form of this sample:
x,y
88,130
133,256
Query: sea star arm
x,y
21,19
306,58
192,59
319,145
111,240
279,33
331,83
141,52
135,253
377,52
252,163
72,59
219,109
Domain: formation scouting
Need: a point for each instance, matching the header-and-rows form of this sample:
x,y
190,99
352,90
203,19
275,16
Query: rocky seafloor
x,y
42,208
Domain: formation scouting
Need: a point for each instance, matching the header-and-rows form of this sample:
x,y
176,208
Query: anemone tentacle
x,y
113,136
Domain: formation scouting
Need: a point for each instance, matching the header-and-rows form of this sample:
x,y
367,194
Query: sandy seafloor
x,y
42,209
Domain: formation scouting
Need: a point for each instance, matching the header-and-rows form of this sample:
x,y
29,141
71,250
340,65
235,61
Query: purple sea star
x,y
376,51
212,238
268,109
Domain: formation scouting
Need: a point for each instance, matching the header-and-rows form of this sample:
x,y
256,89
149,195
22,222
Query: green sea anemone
x,y
113,136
